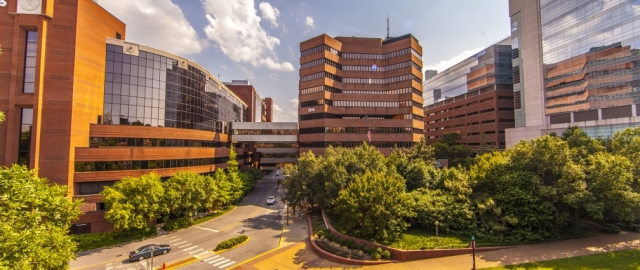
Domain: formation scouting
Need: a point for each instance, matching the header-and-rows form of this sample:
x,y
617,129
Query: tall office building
x,y
87,108
575,63
485,110
354,90
257,109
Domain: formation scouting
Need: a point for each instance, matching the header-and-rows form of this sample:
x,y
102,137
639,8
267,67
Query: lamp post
x,y
437,223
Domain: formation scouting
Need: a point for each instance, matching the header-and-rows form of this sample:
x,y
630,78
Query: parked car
x,y
271,200
144,252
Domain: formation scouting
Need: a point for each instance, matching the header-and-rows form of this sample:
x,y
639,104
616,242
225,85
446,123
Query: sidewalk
x,y
295,253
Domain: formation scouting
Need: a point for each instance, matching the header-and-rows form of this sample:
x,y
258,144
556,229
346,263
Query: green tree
x,y
449,147
627,144
374,206
581,144
298,183
183,194
224,188
233,173
35,217
210,192
423,152
416,173
134,202
1,117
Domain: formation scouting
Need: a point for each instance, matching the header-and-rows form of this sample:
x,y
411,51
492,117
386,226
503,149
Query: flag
x,y
369,136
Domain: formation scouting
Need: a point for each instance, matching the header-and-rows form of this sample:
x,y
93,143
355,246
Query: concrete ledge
x,y
332,257
408,255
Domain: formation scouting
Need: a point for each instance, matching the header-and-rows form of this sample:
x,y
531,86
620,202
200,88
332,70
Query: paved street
x,y
261,222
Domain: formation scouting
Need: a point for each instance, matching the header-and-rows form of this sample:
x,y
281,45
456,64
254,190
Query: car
x,y
144,252
271,200
277,174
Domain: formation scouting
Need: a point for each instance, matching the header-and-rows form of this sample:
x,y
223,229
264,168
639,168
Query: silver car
x,y
271,200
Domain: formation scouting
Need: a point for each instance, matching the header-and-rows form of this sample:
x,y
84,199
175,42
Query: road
x,y
261,222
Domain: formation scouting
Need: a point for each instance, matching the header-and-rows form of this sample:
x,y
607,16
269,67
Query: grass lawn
x,y
416,238
618,260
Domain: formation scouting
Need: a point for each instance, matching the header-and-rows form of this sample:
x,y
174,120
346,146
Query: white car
x,y
271,200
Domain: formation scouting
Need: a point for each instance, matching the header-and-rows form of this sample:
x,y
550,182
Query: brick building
x,y
357,89
482,114
268,102
257,111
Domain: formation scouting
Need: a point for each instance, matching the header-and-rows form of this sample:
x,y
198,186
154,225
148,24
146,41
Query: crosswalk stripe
x,y
226,265
206,252
185,245
197,250
177,239
207,229
190,248
208,259
217,260
180,243
222,262
172,237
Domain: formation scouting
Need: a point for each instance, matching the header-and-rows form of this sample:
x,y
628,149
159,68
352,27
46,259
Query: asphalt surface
x,y
252,217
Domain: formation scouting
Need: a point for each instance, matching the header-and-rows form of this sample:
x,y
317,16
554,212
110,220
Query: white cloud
x,y
287,114
454,60
157,23
223,67
269,13
235,27
309,22
273,76
247,72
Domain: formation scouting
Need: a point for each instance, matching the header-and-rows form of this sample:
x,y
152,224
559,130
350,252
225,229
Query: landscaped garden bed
x,y
348,248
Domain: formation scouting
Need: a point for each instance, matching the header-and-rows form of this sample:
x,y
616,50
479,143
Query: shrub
x,y
232,242
181,223
98,240
386,255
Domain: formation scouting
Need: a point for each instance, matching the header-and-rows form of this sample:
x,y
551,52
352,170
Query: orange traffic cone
x,y
164,266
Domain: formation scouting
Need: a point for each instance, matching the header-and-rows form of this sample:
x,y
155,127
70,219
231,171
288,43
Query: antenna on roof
x,y
387,25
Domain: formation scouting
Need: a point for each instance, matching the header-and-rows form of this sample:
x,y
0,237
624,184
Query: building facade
x,y
268,103
576,65
86,108
257,109
482,114
354,90
271,144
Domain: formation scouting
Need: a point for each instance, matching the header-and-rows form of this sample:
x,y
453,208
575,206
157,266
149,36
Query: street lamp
x,y
437,223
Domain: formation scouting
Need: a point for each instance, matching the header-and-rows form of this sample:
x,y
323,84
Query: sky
x,y
260,40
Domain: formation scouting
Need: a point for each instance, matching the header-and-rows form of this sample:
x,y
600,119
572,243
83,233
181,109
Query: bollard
x,y
164,266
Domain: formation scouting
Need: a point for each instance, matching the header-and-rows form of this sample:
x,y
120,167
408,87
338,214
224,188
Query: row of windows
x,y
315,116
324,47
265,132
276,145
320,61
98,166
320,48
356,144
150,142
330,89
360,130
382,80
382,68
320,75
350,103
278,155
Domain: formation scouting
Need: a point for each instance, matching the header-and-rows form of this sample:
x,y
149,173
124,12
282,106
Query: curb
x,y
178,263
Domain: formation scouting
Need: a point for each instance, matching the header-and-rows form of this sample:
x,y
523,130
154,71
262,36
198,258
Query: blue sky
x,y
260,40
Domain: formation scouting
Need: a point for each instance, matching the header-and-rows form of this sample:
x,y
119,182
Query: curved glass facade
x,y
154,90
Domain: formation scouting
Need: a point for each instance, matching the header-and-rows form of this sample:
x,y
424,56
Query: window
x,y
31,48
24,145
517,102
118,35
516,74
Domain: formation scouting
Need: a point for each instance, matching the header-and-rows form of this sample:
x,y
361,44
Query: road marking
x,y
180,243
190,248
185,245
177,239
197,250
172,237
222,262
207,229
217,260
225,265
208,259
206,252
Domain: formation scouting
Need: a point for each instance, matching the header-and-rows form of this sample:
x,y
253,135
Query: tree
x,y
581,144
627,144
235,182
423,152
134,202
1,117
224,188
416,173
184,192
298,183
35,217
374,206
449,147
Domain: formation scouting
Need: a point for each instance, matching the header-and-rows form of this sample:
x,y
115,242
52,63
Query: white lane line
x,y
222,262
172,237
206,252
190,248
206,229
180,243
226,265
185,245
208,259
196,251
177,239
217,260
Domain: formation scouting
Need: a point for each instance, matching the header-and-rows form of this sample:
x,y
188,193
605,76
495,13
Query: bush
x,y
181,223
386,255
232,242
350,244
98,240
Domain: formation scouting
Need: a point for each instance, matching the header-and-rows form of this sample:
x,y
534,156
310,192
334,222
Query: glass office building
x,y
150,89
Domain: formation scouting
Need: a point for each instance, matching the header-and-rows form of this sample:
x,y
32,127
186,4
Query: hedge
x,y
232,242
97,240
181,223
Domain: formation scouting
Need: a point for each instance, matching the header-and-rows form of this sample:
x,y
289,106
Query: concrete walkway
x,y
294,253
